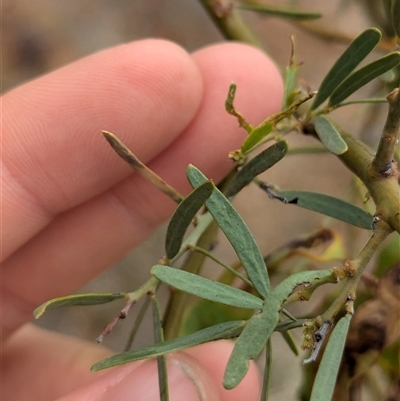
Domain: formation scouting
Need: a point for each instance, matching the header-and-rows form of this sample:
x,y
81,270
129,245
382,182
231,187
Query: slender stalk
x,y
221,263
230,22
161,360
267,372
137,324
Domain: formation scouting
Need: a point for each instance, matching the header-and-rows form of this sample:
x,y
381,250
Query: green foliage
x,y
356,52
183,216
223,330
260,163
260,327
329,365
330,206
204,288
329,136
237,233
161,360
254,311
363,76
76,300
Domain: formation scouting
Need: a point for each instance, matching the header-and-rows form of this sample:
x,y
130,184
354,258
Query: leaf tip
x,y
39,311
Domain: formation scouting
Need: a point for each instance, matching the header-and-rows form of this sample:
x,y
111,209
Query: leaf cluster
x,y
253,309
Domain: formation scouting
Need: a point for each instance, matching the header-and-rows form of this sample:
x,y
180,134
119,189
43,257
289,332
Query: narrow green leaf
x,y
330,206
255,136
223,330
161,360
290,80
287,336
362,76
330,136
205,288
325,379
77,300
260,327
237,233
250,343
358,49
183,216
281,12
263,161
286,287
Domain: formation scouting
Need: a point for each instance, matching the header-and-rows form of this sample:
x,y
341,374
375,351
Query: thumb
x,y
195,375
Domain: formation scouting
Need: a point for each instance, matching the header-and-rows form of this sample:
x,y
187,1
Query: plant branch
x,y
383,164
383,191
354,269
148,287
141,168
137,324
230,22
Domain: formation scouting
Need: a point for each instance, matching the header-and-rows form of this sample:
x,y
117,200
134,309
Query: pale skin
x,y
71,207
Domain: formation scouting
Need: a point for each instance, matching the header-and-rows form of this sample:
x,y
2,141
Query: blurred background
x,y
41,36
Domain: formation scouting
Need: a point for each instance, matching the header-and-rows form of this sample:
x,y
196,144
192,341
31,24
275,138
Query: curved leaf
x,y
205,288
263,161
183,216
325,379
223,330
330,206
256,135
290,341
250,344
260,327
358,49
329,136
77,300
362,76
237,233
281,12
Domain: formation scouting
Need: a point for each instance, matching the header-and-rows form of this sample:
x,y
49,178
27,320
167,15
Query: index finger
x,y
53,159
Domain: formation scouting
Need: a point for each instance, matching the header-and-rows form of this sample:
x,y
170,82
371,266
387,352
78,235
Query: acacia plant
x,y
344,341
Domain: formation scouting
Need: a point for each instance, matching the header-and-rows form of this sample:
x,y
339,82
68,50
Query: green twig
x,y
354,269
161,360
267,372
230,21
371,100
384,192
221,263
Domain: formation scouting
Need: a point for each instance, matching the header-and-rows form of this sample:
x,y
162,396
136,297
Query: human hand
x,y
71,207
